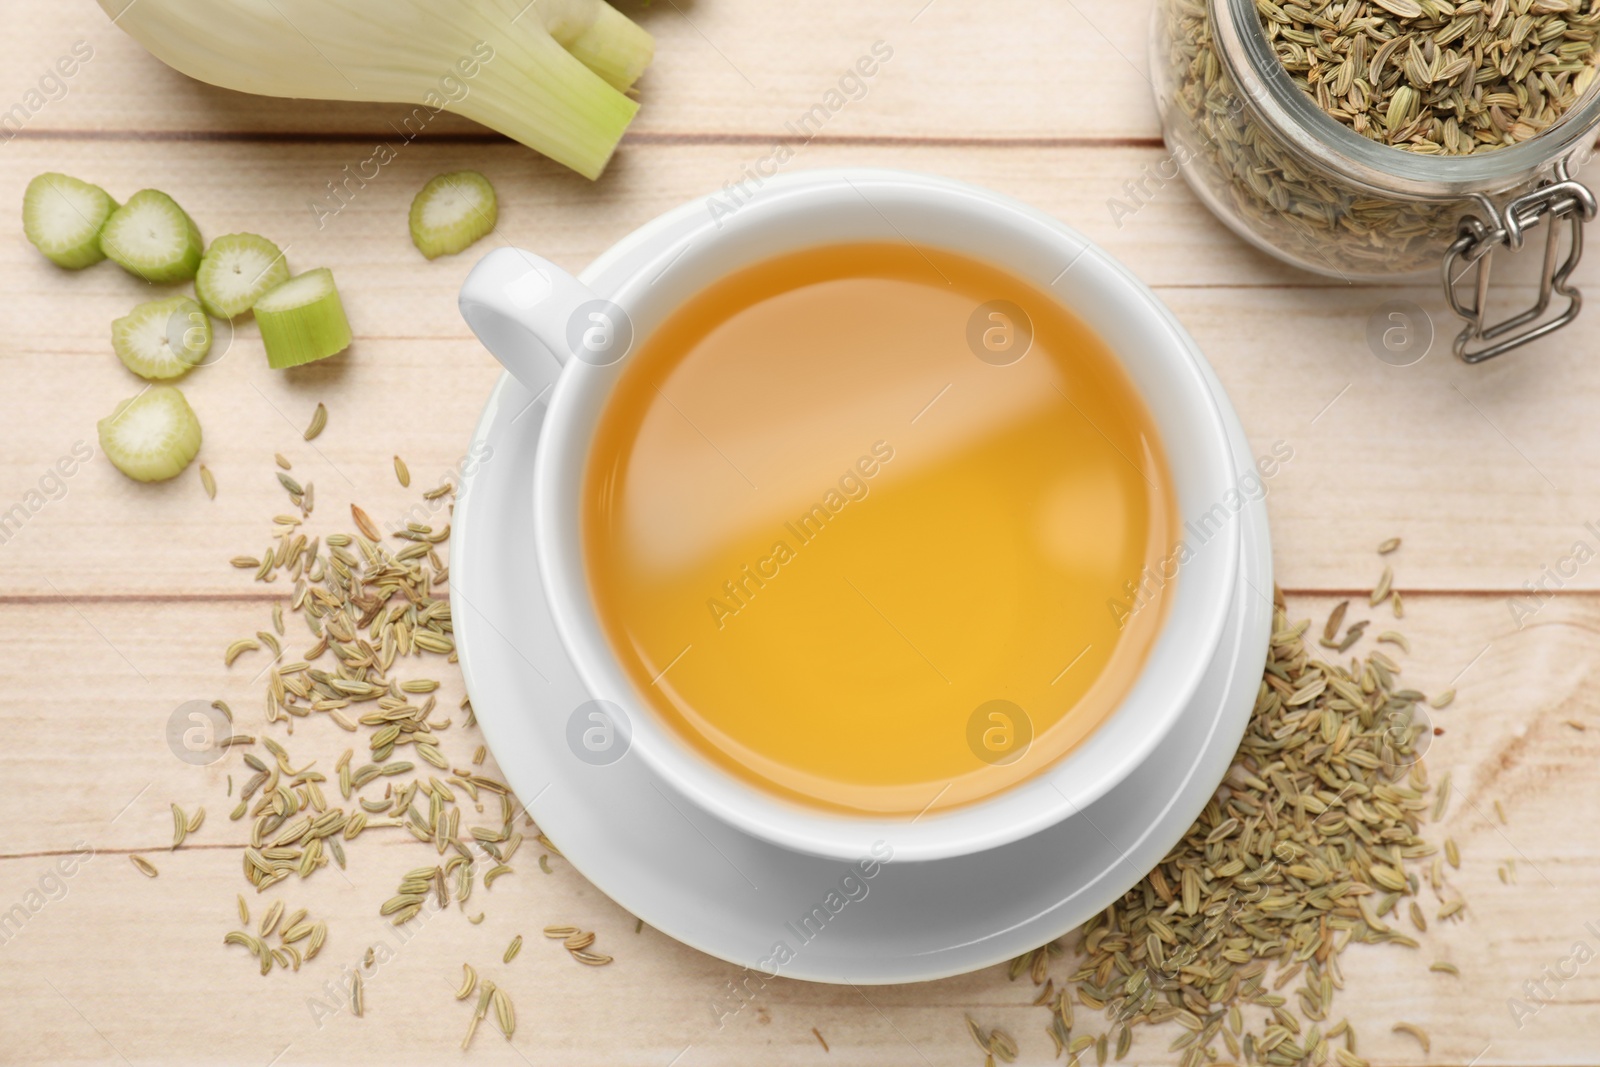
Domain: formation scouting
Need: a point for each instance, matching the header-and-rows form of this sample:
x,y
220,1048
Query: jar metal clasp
x,y
1471,255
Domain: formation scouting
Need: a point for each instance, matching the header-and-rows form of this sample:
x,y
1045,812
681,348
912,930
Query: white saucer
x,y
697,879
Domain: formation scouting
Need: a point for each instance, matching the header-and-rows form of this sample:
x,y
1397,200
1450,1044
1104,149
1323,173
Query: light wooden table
x,y
116,599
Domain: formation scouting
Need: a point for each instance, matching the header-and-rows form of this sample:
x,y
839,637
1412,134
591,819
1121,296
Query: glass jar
x,y
1303,187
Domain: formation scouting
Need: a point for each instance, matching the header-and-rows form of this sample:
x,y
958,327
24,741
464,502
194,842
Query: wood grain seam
x,y
643,137
46,599
267,596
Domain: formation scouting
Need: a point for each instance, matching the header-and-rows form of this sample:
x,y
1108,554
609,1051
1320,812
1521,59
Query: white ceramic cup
x,y
569,344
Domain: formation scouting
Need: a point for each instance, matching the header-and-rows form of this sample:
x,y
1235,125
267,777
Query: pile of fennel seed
x,y
1312,843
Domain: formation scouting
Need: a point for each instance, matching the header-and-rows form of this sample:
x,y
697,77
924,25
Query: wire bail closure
x,y
1474,248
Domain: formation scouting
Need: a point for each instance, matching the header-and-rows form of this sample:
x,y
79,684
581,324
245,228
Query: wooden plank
x,y
108,959
163,966
1061,71
1377,449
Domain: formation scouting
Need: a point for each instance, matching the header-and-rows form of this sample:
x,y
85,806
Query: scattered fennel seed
x,y
146,868
1003,1045
365,524
1331,628
1417,1032
485,994
1383,588
504,1014
319,936
319,419
1392,638
980,1036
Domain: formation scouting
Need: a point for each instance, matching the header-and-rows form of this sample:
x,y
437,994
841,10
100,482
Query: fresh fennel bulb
x,y
551,74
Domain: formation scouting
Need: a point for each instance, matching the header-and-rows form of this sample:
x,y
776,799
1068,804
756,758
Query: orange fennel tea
x,y
856,522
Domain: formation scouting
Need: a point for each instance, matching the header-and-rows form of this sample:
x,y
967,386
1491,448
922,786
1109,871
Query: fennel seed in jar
x,y
1437,77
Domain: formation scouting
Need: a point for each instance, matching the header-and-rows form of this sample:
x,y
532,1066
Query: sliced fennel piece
x,y
152,436
151,237
62,218
236,270
303,320
497,62
163,338
600,37
451,212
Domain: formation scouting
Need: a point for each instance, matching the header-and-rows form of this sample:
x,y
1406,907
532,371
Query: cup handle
x,y
521,306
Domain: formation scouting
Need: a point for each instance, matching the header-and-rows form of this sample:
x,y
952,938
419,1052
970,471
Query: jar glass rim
x,y
1297,118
